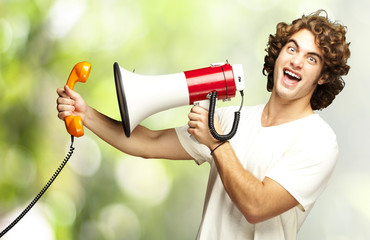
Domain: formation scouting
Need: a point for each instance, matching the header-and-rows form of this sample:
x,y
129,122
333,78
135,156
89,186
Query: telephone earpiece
x,y
79,73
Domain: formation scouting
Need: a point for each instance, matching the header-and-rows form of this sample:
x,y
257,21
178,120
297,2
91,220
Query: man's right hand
x,y
143,142
70,102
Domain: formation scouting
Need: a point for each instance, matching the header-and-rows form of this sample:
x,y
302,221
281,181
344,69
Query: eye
x,y
291,49
312,59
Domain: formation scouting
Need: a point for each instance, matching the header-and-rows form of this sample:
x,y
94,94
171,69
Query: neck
x,y
278,112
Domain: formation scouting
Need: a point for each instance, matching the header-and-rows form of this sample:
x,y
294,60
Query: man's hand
x,y
198,127
70,102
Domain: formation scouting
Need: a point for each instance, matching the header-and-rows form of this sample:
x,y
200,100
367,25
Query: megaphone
x,y
140,96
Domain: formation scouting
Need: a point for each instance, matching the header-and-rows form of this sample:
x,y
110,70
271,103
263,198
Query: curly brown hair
x,y
331,38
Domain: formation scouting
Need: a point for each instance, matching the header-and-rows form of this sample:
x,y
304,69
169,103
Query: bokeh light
x,y
144,179
34,226
118,222
86,158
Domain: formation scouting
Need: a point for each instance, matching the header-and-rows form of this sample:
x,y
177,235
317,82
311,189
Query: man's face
x,y
298,68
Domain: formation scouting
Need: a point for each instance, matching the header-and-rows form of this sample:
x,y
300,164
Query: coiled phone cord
x,y
212,105
43,190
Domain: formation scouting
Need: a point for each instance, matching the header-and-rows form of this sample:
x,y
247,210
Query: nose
x,y
297,61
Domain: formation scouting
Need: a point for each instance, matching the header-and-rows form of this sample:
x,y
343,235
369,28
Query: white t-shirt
x,y
299,155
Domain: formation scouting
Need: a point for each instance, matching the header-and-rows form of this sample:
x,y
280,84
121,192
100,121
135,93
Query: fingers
x,y
61,92
65,102
67,93
70,102
198,126
198,121
198,113
197,117
70,93
65,107
199,110
62,115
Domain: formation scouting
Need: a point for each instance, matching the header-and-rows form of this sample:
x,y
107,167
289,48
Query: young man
x,y
266,179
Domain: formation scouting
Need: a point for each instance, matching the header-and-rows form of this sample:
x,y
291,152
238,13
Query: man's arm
x,y
143,142
257,200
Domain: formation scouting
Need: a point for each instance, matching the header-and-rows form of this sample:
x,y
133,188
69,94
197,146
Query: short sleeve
x,y
199,152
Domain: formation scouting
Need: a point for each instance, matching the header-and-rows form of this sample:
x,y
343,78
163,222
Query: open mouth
x,y
291,75
291,78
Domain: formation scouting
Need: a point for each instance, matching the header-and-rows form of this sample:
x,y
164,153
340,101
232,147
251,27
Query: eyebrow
x,y
311,53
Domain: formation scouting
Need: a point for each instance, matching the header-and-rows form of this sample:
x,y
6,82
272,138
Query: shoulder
x,y
315,139
318,128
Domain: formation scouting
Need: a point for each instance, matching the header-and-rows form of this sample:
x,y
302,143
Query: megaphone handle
x,y
211,114
204,104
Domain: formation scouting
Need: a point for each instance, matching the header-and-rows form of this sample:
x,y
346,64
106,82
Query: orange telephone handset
x,y
79,73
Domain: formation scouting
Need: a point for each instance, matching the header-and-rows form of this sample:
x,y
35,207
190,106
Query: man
x,y
266,179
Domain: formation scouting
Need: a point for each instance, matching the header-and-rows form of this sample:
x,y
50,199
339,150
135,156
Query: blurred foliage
x,y
103,193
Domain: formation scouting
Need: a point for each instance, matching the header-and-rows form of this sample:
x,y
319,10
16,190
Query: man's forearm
x,y
105,127
257,200
242,187
142,142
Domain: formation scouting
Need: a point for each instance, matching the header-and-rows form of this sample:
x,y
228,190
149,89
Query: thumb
x,y
72,94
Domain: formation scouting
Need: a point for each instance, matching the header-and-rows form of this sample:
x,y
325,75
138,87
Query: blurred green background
x,y
105,194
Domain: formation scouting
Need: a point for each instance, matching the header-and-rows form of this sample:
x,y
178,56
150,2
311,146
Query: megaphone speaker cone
x,y
122,99
141,96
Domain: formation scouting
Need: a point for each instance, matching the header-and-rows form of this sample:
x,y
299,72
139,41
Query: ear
x,y
322,80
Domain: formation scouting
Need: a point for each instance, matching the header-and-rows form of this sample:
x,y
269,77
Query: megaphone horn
x,y
140,96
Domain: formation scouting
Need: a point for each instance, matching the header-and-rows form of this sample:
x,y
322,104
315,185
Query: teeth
x,y
292,74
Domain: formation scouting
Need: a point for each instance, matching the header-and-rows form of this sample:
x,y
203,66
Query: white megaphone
x,y
140,96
